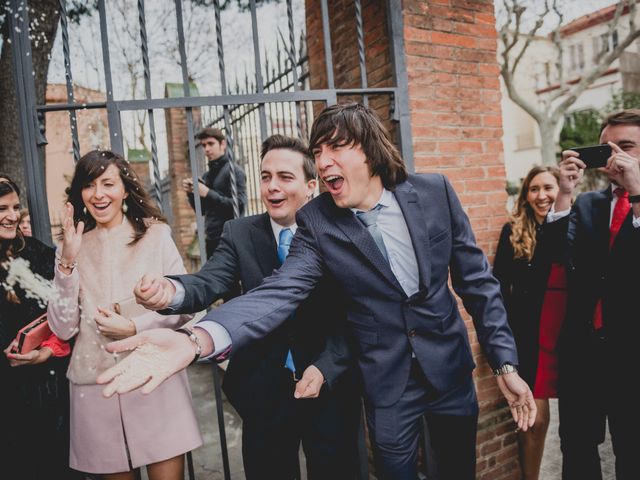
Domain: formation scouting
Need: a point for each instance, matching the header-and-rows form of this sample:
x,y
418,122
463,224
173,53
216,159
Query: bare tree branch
x,y
516,46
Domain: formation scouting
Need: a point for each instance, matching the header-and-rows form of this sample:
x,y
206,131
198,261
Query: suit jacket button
x,y
412,333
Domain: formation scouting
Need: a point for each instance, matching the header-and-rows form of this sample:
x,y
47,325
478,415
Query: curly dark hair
x,y
141,208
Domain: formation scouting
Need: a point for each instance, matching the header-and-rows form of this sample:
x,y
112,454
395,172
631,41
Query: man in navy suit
x,y
390,241
598,344
308,354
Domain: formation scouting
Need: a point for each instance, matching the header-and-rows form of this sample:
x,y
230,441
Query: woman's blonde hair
x,y
523,220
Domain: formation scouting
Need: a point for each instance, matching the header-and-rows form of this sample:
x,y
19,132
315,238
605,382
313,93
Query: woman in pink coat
x,y
112,235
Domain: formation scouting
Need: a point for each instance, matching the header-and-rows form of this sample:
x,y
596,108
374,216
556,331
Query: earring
x,y
125,207
84,210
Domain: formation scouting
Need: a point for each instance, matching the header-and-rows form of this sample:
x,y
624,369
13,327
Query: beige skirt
x,y
110,435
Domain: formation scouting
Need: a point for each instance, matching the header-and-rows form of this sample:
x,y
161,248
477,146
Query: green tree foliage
x,y
623,100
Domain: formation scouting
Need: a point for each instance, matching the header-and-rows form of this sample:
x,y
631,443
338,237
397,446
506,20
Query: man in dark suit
x,y
599,340
299,355
390,241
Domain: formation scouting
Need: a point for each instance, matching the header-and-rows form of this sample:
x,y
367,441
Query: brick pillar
x,y
456,126
179,167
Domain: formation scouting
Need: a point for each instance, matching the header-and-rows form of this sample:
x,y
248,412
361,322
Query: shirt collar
x,y
386,200
277,228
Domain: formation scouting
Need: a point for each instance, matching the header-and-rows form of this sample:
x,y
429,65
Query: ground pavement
x,y
208,460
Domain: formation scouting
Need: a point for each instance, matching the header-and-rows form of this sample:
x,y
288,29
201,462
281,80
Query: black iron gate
x,y
246,113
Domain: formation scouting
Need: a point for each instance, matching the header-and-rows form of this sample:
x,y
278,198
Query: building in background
x,y
582,39
93,133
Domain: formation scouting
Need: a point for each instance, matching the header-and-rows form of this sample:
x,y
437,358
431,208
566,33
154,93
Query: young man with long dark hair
x,y
390,240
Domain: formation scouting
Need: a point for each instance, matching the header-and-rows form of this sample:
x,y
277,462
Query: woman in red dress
x,y
534,290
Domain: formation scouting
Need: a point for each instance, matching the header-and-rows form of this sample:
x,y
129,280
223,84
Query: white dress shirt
x,y
397,241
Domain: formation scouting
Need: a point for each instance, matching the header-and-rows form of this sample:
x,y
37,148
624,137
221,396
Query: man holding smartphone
x,y
215,187
601,234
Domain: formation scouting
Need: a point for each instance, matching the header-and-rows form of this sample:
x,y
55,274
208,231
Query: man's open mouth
x,y
333,182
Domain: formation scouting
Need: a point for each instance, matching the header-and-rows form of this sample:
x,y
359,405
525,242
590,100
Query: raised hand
x,y
310,384
154,292
521,403
71,237
571,171
623,169
112,325
157,354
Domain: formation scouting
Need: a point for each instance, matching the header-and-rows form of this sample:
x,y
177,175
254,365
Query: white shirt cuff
x,y
219,335
178,297
552,216
636,222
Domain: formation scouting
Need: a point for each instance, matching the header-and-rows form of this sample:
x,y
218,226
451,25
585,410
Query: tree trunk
x,y
548,143
11,155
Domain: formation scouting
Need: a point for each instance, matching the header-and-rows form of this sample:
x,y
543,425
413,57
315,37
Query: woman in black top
x,y
34,416
534,289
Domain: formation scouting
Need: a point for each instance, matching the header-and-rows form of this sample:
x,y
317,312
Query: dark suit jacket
x,y
596,272
248,252
386,324
523,285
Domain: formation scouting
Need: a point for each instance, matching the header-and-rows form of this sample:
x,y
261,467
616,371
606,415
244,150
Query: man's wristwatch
x,y
634,198
504,369
194,338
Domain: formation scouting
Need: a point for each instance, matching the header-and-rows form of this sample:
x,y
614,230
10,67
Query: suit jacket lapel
x,y
413,210
264,244
351,226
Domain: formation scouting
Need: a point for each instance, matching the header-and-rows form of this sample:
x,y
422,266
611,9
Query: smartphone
x,y
594,156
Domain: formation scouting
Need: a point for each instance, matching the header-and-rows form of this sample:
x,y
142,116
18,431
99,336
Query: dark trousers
x,y
326,426
591,394
451,420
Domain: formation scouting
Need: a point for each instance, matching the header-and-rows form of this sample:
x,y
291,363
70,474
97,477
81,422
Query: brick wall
x,y
456,126
179,167
344,46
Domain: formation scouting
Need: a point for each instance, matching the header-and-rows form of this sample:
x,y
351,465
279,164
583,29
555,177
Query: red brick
x,y
460,147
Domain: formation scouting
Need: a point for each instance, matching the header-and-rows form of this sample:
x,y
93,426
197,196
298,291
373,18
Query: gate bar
x,y
27,120
113,114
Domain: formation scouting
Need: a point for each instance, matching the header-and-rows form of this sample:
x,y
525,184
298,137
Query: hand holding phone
x,y
594,156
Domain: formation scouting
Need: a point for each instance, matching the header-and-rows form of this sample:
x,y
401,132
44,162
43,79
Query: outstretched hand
x,y
156,355
520,399
154,292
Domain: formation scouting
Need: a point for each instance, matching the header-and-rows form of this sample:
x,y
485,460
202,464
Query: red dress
x,y
554,308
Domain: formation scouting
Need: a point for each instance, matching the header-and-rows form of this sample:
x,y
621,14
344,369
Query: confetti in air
x,y
34,286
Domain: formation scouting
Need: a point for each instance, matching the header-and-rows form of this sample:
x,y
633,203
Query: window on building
x,y
572,57
596,47
614,38
580,53
604,42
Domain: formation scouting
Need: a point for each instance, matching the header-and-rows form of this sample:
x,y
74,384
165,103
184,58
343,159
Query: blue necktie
x,y
284,242
369,220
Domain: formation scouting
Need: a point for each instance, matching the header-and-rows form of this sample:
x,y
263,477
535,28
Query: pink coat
x,y
144,428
